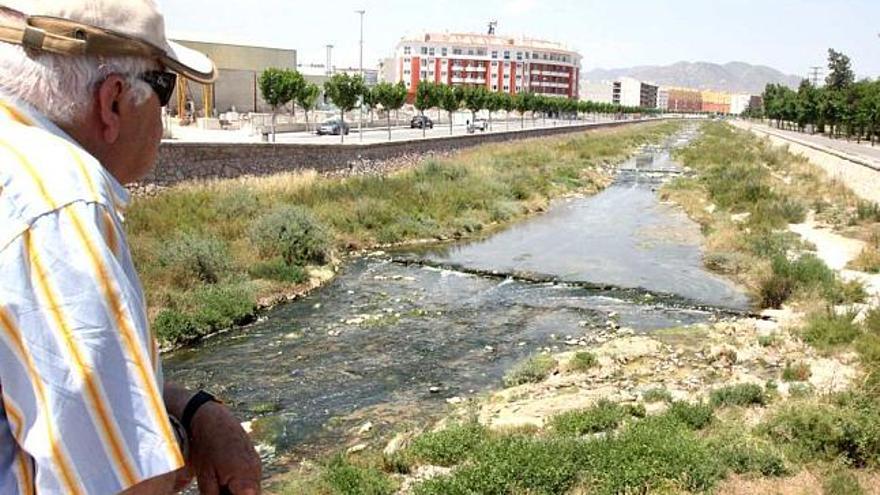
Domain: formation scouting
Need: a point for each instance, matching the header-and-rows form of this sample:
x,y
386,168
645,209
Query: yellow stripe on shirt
x,y
59,456
129,338
15,115
22,460
94,395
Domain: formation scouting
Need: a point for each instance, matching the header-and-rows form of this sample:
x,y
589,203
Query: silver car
x,y
334,127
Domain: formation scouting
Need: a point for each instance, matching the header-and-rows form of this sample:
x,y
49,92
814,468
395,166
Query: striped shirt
x,y
81,408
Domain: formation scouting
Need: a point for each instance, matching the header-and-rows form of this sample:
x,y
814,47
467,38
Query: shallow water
x,y
396,335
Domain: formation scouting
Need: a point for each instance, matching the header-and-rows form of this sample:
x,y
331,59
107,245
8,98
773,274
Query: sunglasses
x,y
163,83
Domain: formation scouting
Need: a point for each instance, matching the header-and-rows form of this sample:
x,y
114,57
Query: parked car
x,y
421,122
481,125
334,127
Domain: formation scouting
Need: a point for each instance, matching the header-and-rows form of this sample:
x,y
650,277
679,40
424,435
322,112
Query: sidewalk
x,y
863,154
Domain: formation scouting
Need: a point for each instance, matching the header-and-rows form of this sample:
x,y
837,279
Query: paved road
x,y
841,145
376,135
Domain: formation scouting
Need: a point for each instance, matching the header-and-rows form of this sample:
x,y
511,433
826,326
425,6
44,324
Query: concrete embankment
x,y
859,173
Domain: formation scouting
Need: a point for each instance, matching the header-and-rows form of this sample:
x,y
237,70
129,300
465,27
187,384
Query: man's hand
x,y
221,453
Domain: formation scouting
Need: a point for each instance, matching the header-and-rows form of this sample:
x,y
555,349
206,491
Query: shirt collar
x,y
23,113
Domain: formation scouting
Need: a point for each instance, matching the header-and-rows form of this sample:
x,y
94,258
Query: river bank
x,y
212,254
784,403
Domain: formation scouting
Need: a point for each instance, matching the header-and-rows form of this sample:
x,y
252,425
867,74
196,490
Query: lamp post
x,y
361,69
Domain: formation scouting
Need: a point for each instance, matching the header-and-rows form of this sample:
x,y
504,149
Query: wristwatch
x,y
195,402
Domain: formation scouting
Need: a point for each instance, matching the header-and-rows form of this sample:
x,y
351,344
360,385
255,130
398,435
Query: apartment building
x,y
498,63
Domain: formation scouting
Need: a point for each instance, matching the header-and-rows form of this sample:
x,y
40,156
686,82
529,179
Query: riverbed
x,y
397,335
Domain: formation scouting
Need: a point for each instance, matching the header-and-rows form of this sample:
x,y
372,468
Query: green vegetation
x,y
261,234
796,372
450,446
829,329
843,107
532,370
583,361
603,416
657,395
755,191
343,476
743,394
344,91
694,416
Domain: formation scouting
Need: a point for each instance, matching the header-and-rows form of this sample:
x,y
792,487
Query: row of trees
x,y
281,87
842,107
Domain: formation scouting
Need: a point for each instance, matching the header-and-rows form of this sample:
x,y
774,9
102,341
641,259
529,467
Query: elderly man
x,y
83,408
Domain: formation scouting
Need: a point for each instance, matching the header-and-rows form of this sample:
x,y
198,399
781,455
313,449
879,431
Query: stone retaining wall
x,y
180,162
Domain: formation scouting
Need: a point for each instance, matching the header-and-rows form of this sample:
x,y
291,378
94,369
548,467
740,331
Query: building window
x,y
481,52
527,55
431,51
408,84
424,50
494,54
507,64
424,61
443,51
470,51
506,88
407,50
407,60
456,51
424,74
443,74
494,63
407,72
519,55
494,87
506,55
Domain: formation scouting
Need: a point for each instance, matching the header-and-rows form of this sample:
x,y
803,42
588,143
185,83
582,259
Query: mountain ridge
x,y
735,77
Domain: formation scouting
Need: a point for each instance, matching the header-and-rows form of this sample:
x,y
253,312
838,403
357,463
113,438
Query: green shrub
x,y
842,482
828,329
744,457
174,327
294,234
603,416
583,361
694,416
807,273
768,340
826,432
796,372
649,453
533,370
867,210
868,260
657,394
512,464
872,321
205,310
744,394
192,258
449,446
800,390
237,203
345,478
279,271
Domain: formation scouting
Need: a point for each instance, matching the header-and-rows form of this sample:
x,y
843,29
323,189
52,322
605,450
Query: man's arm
x,y
221,453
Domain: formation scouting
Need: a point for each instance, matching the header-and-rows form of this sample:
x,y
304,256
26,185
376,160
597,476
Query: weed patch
x,y
744,394
533,370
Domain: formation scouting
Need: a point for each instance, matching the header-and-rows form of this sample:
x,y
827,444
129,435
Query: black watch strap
x,y
200,399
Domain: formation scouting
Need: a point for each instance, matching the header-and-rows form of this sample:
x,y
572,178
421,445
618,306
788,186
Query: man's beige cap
x,y
102,28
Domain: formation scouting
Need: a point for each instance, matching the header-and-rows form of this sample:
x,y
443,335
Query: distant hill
x,y
736,77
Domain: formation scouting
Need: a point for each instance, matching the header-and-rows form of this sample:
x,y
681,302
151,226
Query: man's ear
x,y
110,104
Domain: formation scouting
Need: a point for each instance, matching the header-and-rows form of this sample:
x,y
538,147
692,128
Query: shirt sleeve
x,y
77,359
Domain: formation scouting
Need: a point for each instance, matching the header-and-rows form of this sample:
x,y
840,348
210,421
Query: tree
x,y
344,91
493,103
391,97
807,104
426,98
307,99
449,99
278,87
523,102
507,104
840,75
474,100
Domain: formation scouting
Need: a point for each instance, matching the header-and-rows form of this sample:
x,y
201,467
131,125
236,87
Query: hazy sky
x,y
790,35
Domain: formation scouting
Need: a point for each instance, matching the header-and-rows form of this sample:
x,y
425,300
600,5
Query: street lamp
x,y
361,69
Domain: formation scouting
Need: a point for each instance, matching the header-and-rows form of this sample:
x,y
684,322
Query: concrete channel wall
x,y
182,162
859,175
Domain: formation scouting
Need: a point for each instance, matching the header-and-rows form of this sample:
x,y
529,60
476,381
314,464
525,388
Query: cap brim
x,y
189,63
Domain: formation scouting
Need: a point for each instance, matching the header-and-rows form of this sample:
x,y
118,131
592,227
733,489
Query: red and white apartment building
x,y
511,65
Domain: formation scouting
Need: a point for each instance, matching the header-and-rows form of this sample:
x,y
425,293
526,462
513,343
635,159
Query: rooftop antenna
x,y
492,26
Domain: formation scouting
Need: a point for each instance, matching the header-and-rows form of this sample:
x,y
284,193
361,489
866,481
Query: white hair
x,y
62,88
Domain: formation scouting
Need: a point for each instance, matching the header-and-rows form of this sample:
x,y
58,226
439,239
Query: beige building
x,y
239,67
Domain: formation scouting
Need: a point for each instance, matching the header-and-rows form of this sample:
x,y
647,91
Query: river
x,y
395,335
